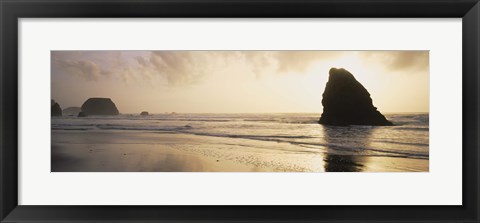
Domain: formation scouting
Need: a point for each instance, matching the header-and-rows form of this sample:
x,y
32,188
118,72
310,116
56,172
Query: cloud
x,y
399,60
87,70
101,65
188,67
179,68
141,61
182,67
300,61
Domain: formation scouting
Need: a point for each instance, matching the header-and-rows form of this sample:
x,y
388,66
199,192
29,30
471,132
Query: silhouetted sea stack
x,y
144,113
346,102
99,106
56,110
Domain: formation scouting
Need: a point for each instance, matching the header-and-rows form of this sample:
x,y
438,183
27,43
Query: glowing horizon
x,y
236,81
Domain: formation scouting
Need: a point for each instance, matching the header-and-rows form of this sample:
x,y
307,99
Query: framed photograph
x,y
261,111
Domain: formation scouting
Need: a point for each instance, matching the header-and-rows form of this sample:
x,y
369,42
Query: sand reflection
x,y
75,151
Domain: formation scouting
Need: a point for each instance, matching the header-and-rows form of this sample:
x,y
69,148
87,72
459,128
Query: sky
x,y
235,81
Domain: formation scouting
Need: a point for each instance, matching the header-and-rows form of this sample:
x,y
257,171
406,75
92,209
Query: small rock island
x,y
346,102
98,106
55,108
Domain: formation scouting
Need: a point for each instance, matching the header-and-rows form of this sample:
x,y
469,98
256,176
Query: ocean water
x,y
296,132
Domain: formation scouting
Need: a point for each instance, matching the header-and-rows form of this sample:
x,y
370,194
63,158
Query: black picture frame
x,y
12,10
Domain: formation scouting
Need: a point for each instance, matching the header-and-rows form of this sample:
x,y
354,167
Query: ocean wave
x,y
67,129
68,124
187,120
402,143
284,121
328,145
384,141
413,128
357,149
142,128
273,137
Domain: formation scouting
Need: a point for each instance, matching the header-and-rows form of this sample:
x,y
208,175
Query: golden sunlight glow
x,y
236,81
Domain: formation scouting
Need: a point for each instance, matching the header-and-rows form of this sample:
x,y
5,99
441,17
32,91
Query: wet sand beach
x,y
130,151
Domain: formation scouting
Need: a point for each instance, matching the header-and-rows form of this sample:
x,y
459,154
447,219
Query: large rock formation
x,y
99,106
144,113
55,108
71,111
346,102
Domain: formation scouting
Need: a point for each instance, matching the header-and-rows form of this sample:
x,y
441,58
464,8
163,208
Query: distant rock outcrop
x,y
71,110
81,114
55,108
144,113
346,102
99,106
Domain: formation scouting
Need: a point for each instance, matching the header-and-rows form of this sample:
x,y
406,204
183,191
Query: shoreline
x,y
128,151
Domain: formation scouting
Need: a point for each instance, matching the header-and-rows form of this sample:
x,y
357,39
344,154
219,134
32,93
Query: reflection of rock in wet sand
x,y
337,139
343,163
